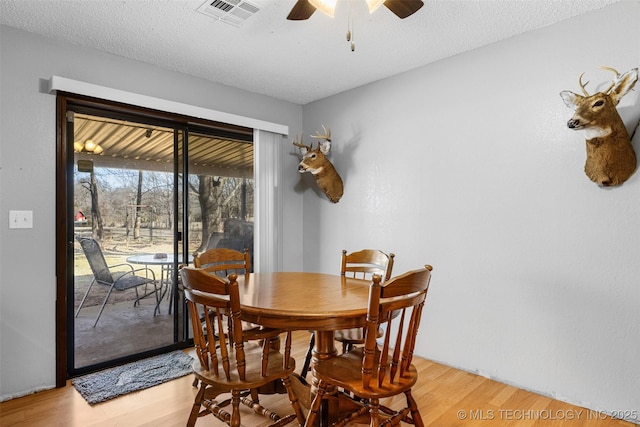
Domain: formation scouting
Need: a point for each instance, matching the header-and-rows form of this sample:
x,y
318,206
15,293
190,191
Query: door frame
x,y
64,204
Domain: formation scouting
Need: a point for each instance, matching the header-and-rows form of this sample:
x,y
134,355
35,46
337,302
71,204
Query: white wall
x,y
468,165
27,181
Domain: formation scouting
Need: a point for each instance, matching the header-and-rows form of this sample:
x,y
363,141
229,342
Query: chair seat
x,y
254,377
129,281
345,371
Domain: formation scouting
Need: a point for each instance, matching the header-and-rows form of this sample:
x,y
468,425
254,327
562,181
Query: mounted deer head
x,y
315,162
610,156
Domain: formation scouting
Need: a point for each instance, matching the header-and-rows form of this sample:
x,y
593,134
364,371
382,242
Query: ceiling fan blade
x,y
301,10
403,8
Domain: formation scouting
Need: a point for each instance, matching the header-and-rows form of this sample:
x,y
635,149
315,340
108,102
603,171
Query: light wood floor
x,y
447,397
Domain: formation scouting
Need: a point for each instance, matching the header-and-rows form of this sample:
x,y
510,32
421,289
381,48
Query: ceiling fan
x,y
303,9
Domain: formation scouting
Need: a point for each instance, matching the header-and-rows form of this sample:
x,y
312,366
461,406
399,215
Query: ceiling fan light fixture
x,y
374,4
325,6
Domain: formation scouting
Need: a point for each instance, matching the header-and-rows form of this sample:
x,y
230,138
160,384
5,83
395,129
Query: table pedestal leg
x,y
325,349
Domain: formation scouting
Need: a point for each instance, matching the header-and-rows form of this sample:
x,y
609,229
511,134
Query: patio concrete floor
x,y
122,330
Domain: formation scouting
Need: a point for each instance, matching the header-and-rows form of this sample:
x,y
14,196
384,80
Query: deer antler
x,y
582,86
301,145
325,136
613,70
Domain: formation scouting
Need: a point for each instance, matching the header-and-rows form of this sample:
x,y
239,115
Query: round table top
x,y
301,300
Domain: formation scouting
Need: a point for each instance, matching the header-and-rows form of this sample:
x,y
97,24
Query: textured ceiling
x,y
297,61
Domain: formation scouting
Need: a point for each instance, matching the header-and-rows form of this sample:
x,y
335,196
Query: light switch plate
x,y
20,219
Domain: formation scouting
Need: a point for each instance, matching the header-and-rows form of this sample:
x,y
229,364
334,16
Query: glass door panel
x,y
125,199
221,188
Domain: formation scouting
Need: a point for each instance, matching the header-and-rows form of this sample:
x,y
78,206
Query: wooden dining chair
x,y
362,264
382,368
367,262
223,367
223,261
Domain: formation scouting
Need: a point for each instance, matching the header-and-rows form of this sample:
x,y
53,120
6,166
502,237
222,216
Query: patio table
x,y
166,263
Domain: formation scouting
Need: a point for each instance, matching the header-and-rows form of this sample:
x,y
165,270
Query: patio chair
x,y
120,281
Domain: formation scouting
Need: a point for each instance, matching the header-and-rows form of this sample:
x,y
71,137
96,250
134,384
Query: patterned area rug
x,y
113,382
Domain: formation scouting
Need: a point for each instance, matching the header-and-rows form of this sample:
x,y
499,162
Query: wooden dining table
x,y
322,303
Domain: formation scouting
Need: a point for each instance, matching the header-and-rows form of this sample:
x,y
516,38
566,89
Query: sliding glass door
x,y
143,194
125,206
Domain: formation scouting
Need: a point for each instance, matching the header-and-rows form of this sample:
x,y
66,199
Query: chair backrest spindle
x,y
399,303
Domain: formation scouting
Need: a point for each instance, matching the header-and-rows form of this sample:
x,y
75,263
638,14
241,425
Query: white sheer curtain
x,y
268,202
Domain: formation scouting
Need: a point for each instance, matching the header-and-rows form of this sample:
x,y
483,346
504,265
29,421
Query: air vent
x,y
233,12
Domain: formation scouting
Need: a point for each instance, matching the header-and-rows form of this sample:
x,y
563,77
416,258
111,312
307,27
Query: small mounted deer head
x,y
315,162
610,156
